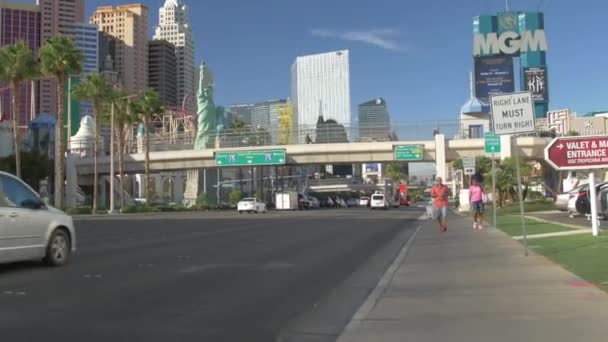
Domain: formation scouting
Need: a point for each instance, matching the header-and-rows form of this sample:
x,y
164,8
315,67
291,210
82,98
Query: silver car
x,y
30,229
561,201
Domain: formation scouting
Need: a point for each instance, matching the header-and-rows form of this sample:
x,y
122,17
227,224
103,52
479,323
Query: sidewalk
x,y
464,286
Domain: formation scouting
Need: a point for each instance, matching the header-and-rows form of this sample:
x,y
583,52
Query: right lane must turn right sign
x,y
512,113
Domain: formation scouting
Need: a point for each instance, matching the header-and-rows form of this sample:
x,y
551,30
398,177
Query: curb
x,y
371,301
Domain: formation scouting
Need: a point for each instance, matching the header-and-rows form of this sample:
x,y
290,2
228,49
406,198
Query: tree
x,y
394,171
506,179
60,58
146,106
123,120
98,90
17,64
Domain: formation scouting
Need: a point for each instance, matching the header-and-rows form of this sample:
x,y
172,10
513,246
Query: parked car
x,y
579,203
32,230
352,202
327,203
561,200
303,202
378,201
251,205
364,201
313,203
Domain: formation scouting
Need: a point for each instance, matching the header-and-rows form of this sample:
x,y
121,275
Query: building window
x,y
475,131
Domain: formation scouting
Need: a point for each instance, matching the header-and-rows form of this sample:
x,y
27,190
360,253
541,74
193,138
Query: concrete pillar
x,y
103,189
178,189
158,185
71,176
140,185
505,147
440,149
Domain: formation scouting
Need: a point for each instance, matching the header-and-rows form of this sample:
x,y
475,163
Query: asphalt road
x,y
206,277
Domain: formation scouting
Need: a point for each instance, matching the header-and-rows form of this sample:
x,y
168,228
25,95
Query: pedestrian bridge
x,y
439,151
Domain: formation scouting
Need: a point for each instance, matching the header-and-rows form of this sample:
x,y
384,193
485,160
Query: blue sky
x,y
415,54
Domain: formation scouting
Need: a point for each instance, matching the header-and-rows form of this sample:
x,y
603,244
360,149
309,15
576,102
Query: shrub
x,y
234,197
79,211
202,202
133,209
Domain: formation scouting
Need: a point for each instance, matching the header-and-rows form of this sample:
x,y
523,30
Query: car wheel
x,y
58,249
240,212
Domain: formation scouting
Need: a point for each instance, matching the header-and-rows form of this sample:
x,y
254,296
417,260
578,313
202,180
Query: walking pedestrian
x,y
476,195
440,193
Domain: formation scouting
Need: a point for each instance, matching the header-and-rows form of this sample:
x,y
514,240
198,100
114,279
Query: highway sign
x,y
512,113
409,152
468,164
572,153
251,158
492,142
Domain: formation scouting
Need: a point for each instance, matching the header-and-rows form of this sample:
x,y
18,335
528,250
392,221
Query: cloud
x,y
383,38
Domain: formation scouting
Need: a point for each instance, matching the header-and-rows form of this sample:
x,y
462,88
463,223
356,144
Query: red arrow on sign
x,y
575,153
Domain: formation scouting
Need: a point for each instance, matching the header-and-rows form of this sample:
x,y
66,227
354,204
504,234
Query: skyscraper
x,y
243,112
285,123
57,17
374,121
320,83
162,67
129,25
19,22
87,41
174,27
266,115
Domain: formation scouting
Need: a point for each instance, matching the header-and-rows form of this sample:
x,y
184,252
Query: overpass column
x,y
440,164
71,178
178,190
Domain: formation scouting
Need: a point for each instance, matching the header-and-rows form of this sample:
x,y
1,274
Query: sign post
x,y
514,114
493,190
581,153
492,145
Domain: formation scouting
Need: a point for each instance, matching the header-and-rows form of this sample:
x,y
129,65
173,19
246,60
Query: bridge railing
x,y
328,132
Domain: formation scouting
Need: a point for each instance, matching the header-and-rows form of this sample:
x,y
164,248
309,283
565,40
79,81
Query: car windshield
x,y
248,200
377,197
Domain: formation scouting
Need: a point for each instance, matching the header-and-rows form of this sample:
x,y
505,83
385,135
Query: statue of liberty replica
x,y
210,125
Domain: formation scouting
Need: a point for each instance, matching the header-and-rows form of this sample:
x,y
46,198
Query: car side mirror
x,y
34,204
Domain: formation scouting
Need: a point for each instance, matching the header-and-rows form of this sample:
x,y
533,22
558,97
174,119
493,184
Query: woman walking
x,y
476,195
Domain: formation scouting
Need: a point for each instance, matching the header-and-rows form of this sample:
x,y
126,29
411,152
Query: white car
x,y
378,201
251,205
314,203
364,201
30,229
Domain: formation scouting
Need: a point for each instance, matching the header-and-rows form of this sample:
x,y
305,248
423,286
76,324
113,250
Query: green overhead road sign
x,y
409,152
492,142
252,158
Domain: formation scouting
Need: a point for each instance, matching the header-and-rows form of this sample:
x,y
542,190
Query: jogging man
x,y
439,193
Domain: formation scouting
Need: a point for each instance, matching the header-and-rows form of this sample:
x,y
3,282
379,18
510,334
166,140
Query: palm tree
x,y
17,64
123,119
60,58
98,90
146,107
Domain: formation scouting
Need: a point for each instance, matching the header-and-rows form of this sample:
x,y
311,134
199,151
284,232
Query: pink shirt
x,y
476,193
